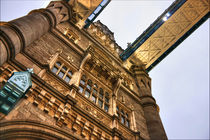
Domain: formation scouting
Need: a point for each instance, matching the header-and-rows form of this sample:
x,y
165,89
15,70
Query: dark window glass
x,y
122,119
127,123
106,108
101,95
93,98
126,115
87,94
107,99
95,86
100,103
107,94
101,91
54,70
88,87
61,74
90,82
82,82
67,79
83,77
58,64
94,91
64,68
122,112
80,89
70,73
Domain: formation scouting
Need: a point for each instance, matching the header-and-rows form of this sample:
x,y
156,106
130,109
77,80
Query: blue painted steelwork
x,y
15,88
201,21
96,12
151,29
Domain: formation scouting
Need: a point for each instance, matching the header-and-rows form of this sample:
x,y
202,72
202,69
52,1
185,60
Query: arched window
x,y
58,64
64,68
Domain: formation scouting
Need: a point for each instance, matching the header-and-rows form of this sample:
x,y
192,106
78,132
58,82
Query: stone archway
x,y
32,130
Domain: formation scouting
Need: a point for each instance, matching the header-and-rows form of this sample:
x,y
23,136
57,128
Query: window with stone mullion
x,y
62,71
94,93
88,88
123,117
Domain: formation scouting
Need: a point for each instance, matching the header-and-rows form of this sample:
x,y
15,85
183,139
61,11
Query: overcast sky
x,y
180,83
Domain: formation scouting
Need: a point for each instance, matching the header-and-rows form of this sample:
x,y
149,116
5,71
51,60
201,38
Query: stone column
x,y
19,33
151,113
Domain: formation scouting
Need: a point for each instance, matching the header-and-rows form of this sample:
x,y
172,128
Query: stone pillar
x,y
151,113
19,33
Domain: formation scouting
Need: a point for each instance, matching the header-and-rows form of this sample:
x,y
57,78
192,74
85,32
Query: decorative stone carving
x,y
56,85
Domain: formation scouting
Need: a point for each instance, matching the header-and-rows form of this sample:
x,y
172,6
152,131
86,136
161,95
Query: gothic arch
x,y
32,130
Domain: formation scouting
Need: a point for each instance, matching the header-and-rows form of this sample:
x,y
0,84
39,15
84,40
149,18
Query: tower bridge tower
x,y
84,85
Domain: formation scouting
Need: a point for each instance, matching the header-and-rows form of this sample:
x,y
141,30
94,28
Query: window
x,y
67,79
55,69
100,103
62,71
101,93
123,117
83,79
80,89
89,84
90,90
93,98
87,94
96,12
106,107
61,74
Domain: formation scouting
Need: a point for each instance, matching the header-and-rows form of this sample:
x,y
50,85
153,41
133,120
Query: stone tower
x,y
81,88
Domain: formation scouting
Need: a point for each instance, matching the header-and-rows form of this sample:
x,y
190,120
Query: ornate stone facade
x,y
81,88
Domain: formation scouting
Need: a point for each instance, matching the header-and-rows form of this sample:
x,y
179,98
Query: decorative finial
x,y
30,70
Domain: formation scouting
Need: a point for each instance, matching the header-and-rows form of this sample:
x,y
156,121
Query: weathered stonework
x,y
81,88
